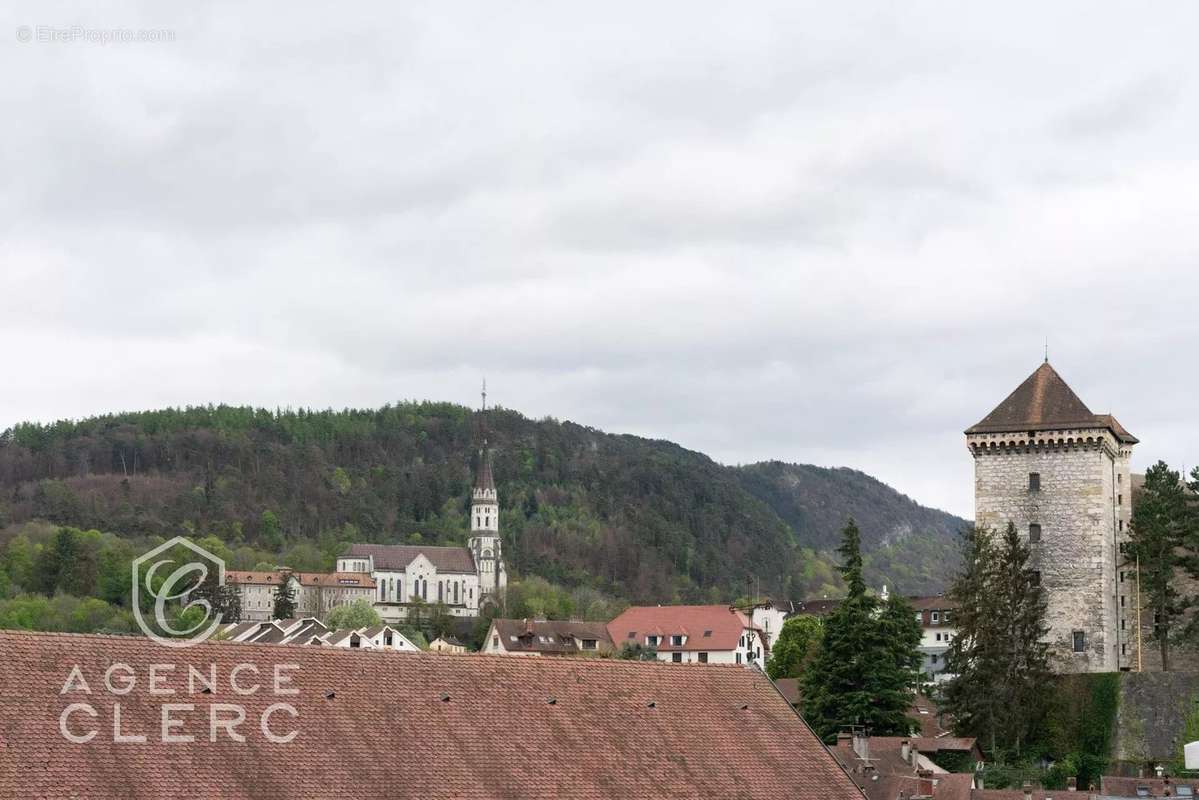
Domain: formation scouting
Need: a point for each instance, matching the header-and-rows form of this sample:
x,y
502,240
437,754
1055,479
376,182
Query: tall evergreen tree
x,y
999,657
1160,520
285,600
864,672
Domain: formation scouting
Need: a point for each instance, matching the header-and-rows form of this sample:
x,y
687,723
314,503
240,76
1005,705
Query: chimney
x,y
1071,784
845,739
905,749
861,743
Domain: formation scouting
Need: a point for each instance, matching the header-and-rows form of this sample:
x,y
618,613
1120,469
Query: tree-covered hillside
x,y
637,519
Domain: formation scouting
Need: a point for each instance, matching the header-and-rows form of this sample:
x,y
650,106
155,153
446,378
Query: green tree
x,y
270,532
285,601
796,646
636,651
1160,521
860,676
358,614
999,659
18,562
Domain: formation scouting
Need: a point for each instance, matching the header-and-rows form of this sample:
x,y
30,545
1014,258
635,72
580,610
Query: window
x,y
919,617
1185,791
936,616
707,634
387,638
1121,524
676,658
933,658
676,640
1036,578
1034,532
1119,499
590,644
1034,481
938,637
632,634
1080,641
703,658
1121,601
1121,624
653,640
945,619
1121,576
738,655
495,641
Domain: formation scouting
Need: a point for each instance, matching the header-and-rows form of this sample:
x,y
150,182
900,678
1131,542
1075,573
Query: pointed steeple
x,y
484,482
1045,402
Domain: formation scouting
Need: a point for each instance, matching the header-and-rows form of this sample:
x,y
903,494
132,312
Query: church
x,y
1060,473
463,579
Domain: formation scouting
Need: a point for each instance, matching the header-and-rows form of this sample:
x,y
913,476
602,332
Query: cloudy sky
x,y
792,232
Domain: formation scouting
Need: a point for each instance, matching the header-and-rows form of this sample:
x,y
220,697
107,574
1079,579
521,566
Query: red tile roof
x,y
349,579
397,557
476,726
555,636
706,627
1114,786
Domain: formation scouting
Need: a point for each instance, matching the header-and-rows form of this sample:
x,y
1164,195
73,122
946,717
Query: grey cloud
x,y
800,232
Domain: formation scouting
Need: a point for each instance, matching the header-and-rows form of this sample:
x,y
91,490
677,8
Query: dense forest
x,y
619,516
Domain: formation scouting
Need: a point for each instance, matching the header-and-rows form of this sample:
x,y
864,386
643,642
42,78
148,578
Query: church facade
x,y
463,579
1046,463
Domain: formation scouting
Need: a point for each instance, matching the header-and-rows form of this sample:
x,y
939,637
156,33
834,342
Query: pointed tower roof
x,y
1045,402
484,480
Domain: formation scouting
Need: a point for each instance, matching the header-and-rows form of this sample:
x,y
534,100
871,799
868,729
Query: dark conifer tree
x,y
999,658
1161,519
864,672
285,601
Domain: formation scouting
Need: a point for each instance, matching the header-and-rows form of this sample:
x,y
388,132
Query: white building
x,y
463,579
768,616
692,634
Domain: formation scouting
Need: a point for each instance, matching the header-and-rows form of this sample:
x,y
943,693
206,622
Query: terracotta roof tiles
x,y
397,557
476,727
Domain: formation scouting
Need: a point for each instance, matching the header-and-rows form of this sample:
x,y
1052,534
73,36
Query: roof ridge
x,y
624,662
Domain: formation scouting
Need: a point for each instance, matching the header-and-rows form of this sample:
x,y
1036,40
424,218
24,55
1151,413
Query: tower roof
x,y
484,480
1045,402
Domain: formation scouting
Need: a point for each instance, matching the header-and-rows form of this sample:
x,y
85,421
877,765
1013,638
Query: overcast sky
x,y
792,232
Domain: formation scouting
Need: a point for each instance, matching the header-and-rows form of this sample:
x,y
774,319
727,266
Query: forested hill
x,y
639,519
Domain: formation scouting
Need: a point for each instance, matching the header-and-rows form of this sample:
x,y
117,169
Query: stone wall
x,y
1078,552
1152,715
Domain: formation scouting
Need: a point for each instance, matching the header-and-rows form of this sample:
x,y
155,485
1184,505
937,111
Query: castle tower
x,y
484,542
1060,473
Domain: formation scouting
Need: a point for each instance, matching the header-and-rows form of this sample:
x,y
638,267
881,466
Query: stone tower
x,y
1060,473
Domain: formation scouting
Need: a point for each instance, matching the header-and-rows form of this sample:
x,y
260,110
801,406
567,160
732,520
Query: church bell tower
x,y
484,542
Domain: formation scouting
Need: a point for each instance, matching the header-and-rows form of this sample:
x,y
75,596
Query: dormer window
x,y
653,641
676,640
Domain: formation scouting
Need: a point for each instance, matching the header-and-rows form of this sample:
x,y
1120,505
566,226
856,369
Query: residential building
x,y
888,767
311,631
555,637
692,634
768,616
935,615
481,726
314,593
447,644
463,579
1047,464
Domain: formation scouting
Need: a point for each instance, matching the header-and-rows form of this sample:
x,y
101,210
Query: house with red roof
x,y
692,634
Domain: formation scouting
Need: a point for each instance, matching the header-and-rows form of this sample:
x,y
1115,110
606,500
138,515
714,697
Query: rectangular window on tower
x,y
1080,641
1034,532
1034,481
